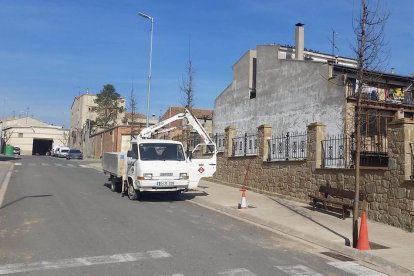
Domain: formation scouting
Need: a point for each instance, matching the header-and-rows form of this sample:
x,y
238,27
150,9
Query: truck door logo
x,y
201,170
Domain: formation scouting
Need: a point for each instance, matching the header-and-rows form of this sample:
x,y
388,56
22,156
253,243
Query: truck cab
x,y
157,166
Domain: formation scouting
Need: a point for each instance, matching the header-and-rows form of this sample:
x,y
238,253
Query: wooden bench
x,y
334,197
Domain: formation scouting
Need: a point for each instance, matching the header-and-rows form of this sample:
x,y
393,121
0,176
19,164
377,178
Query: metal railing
x,y
245,145
288,147
339,151
220,142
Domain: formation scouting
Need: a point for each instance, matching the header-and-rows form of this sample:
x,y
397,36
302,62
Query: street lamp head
x,y
145,16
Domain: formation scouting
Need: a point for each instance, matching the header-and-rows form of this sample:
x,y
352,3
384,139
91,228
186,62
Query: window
x,y
135,149
20,135
161,151
375,122
254,73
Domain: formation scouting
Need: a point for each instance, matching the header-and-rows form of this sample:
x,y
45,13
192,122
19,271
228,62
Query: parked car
x,y
74,154
16,150
62,152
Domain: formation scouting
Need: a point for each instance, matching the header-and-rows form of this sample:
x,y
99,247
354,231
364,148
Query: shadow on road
x,y
165,196
8,158
303,214
21,198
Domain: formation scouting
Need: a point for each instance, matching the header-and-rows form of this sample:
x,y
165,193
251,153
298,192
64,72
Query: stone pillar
x,y
264,133
229,134
400,136
316,133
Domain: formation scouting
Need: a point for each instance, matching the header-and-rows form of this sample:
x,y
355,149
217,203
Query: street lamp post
x,y
150,62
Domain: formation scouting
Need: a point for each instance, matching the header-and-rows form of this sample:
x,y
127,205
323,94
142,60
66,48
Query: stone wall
x,y
389,191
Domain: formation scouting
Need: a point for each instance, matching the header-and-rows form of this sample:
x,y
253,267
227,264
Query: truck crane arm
x,y
191,119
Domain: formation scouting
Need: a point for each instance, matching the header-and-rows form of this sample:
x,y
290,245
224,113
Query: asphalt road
x,y
60,217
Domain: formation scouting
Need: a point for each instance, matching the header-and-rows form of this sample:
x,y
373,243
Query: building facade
x,y
82,114
32,136
274,85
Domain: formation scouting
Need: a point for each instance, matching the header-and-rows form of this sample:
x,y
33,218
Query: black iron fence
x,y
220,142
339,151
336,152
288,147
245,145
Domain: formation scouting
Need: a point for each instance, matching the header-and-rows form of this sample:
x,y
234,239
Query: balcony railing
x,y
339,151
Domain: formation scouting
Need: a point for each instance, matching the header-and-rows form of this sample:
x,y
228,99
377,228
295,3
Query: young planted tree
x,y
107,108
369,51
132,102
187,91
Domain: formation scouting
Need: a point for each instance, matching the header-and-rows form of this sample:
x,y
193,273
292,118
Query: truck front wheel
x,y
132,193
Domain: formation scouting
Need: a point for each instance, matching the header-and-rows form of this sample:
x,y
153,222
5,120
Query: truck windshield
x,y
161,151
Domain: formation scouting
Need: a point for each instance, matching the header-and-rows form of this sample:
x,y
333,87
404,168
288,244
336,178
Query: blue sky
x,y
52,50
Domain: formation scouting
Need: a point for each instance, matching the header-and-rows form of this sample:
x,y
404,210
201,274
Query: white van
x,y
62,152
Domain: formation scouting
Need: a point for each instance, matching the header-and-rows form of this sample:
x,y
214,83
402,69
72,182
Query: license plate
x,y
165,183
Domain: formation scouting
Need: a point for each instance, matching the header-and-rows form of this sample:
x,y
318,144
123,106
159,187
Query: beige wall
x,y
23,136
80,110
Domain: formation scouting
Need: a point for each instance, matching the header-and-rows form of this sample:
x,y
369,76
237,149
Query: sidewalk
x,y
299,220
326,230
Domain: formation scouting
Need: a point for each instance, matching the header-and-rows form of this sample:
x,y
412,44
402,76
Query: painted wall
x,y
290,95
23,137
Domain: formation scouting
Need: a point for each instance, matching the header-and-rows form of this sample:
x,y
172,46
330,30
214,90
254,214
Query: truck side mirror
x,y
131,154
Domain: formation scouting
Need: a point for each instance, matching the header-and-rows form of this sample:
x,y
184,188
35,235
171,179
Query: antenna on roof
x,y
333,43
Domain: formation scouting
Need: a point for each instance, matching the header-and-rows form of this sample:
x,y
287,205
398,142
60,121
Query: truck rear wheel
x,y
116,185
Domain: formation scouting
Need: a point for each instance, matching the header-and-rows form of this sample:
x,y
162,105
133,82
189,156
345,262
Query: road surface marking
x,y
84,166
237,272
355,269
17,164
45,164
5,184
298,270
70,165
58,165
79,262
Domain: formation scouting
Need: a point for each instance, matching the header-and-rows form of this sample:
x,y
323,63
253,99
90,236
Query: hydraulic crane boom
x,y
191,120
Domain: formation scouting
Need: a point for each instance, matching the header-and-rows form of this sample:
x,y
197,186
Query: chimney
x,y
299,41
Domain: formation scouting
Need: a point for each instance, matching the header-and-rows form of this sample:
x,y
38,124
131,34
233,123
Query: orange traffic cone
x,y
363,243
243,202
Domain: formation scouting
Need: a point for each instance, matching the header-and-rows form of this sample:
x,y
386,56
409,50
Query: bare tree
x,y
7,134
187,85
187,89
369,33
64,140
132,102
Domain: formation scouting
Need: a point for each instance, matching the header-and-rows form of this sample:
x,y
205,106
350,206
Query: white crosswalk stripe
x,y
237,272
298,270
80,262
355,269
43,164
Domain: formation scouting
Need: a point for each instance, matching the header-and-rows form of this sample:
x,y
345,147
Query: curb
x,y
389,267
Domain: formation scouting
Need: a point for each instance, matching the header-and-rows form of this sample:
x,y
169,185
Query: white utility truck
x,y
155,165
